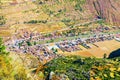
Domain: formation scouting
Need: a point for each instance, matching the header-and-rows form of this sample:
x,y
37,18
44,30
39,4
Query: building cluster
x,y
72,45
28,43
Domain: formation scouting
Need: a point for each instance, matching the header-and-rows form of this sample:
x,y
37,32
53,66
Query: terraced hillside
x,y
59,39
61,17
56,14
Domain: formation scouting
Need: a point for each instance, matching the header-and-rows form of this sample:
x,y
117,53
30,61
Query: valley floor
x,y
97,49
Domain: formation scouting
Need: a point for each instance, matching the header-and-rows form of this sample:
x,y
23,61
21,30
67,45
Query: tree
x,y
2,20
56,50
10,70
52,49
29,43
35,43
2,48
105,56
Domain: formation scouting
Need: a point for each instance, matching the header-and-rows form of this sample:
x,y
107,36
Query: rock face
x,y
106,9
109,10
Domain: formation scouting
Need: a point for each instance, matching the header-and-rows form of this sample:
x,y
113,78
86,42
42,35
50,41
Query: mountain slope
x,y
106,9
78,68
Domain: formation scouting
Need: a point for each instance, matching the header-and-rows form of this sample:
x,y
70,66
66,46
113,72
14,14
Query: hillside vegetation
x,y
65,18
17,66
79,68
61,68
51,15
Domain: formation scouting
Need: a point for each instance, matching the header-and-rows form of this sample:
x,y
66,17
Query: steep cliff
x,y
106,9
109,10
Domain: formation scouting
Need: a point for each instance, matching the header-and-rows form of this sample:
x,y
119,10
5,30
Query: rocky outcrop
x,y
106,9
109,10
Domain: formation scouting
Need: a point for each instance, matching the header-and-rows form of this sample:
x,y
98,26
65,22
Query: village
x,y
40,46
45,35
59,40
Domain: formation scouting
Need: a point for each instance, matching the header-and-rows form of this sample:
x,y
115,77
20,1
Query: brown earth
x,y
105,47
106,9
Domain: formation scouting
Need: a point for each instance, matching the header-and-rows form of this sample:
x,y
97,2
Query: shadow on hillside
x,y
115,53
